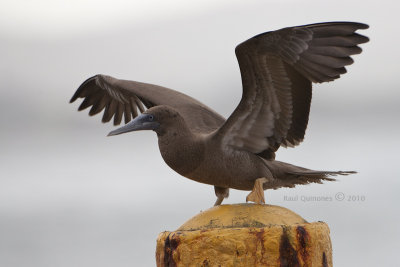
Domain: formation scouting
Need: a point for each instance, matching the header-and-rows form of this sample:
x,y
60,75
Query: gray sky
x,y
69,196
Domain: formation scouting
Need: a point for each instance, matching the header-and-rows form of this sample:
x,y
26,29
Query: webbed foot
x,y
257,194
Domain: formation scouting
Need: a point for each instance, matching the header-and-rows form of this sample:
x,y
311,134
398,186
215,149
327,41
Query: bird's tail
x,y
310,176
291,175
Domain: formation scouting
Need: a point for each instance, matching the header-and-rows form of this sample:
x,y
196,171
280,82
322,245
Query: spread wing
x,y
121,98
277,70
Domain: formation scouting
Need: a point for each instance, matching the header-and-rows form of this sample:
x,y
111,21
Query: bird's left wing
x,y
277,70
120,98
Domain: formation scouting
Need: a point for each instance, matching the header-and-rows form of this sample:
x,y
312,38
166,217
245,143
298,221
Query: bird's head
x,y
157,118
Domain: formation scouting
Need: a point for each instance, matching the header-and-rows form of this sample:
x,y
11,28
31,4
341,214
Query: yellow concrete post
x,y
246,235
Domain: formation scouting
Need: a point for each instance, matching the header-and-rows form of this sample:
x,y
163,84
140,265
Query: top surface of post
x,y
242,215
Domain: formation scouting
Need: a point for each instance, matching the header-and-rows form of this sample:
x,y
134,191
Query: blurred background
x,y
69,196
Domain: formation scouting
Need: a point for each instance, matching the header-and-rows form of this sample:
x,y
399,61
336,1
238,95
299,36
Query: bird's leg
x,y
219,200
221,193
257,194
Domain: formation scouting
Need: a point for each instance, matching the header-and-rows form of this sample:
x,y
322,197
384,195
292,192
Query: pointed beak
x,y
141,122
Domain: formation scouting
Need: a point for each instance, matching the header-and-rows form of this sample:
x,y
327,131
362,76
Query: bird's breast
x,y
180,154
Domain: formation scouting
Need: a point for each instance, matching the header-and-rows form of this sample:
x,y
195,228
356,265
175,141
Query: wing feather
x,y
134,108
118,114
110,110
99,105
127,113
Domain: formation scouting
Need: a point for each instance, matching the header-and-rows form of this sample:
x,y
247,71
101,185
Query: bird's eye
x,y
151,117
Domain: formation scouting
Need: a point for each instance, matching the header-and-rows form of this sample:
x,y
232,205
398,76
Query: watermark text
x,y
339,197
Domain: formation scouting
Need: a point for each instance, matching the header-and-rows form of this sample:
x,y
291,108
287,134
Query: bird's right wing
x,y
277,70
120,98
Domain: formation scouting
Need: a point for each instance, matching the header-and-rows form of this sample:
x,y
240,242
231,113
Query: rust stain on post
x,y
170,245
287,254
303,239
324,261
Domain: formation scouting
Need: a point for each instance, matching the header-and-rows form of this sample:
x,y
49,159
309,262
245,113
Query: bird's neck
x,y
181,149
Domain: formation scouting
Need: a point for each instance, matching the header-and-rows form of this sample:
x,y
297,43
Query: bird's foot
x,y
257,194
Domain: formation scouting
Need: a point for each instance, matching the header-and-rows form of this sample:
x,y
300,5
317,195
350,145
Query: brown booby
x,y
277,69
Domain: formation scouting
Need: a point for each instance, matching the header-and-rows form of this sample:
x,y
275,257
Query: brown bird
x,y
277,70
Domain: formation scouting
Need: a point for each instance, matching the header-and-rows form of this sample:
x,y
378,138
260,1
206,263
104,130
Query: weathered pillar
x,y
246,235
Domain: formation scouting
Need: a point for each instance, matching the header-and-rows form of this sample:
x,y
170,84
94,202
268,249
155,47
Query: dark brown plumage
x,y
277,71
